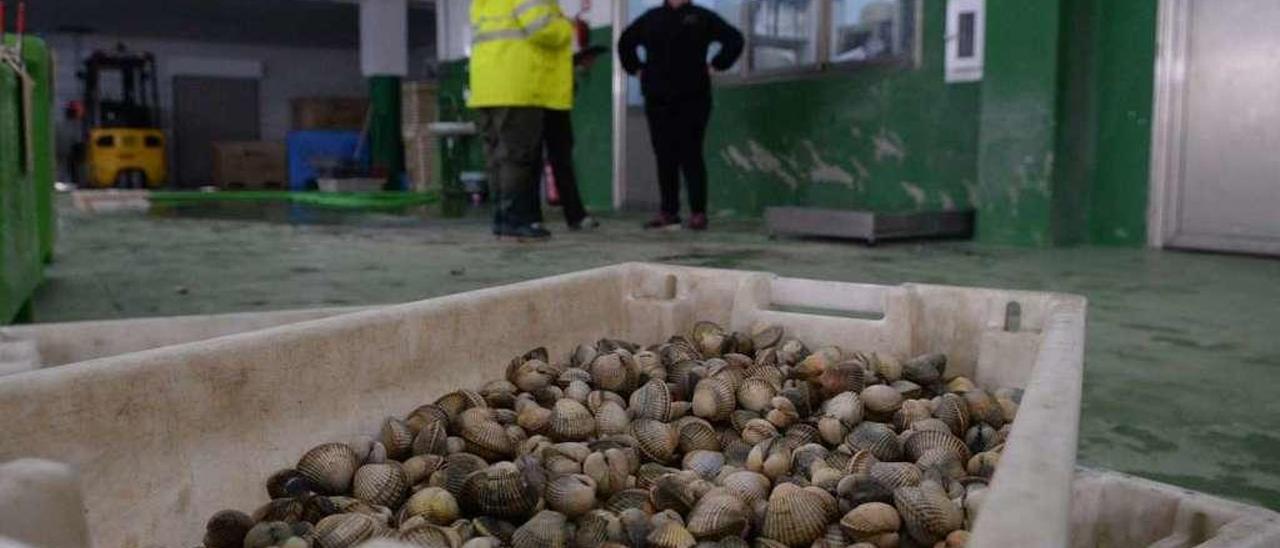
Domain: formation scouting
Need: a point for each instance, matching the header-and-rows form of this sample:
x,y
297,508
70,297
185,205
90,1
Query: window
x,y
788,36
782,34
867,30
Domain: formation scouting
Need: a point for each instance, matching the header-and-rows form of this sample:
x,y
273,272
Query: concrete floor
x,y
1183,354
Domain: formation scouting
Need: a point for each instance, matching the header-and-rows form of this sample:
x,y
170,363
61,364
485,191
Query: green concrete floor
x,y
1183,355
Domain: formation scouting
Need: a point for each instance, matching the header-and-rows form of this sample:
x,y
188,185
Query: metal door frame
x,y
1169,121
621,8
1168,134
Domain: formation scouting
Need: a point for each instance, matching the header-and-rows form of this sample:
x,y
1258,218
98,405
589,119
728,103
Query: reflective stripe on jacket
x,y
521,55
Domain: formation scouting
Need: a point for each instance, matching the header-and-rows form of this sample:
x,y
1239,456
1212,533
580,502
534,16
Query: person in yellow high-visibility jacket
x,y
518,70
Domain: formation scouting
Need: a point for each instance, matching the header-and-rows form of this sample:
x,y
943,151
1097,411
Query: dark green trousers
x,y
513,148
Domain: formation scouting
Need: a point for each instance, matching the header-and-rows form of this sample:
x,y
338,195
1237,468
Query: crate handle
x,y
821,298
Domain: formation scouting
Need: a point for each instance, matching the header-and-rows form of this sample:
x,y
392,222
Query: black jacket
x,y
675,42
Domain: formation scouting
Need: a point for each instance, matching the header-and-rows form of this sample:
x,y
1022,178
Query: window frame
x,y
744,71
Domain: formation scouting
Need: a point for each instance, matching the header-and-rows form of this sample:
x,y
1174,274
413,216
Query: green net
x,y
331,200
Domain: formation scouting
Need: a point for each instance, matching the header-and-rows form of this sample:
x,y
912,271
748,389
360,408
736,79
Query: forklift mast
x,y
135,104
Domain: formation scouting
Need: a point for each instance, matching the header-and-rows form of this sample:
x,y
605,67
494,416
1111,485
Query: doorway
x,y
207,110
1215,167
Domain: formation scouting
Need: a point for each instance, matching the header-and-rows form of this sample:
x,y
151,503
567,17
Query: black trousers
x,y
513,148
677,129
557,136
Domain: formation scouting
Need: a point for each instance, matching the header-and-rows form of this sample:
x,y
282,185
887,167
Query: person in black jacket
x,y
676,81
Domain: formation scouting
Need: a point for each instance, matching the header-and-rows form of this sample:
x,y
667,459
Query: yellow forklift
x,y
122,143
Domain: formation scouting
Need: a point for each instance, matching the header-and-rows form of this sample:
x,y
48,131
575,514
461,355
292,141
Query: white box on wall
x,y
966,40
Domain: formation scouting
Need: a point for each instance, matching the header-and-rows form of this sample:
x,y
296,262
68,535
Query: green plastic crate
x,y
26,187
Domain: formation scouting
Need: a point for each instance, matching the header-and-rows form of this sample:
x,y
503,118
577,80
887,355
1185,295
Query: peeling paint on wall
x,y
767,162
734,157
917,194
888,145
822,172
947,203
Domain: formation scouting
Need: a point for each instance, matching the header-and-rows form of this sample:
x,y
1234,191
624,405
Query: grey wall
x,y
285,73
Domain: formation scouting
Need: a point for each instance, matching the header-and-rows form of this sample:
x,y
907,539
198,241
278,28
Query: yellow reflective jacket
x,y
521,55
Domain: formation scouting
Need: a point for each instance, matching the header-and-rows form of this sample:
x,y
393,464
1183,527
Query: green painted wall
x,y
886,138
1126,42
1051,147
592,121
1018,123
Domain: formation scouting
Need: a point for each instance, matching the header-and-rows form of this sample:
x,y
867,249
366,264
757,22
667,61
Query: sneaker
x,y
532,231
587,223
698,221
663,221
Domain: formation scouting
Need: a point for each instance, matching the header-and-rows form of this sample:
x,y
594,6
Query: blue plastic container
x,y
312,151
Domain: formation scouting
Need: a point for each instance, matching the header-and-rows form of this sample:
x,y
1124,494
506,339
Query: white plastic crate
x,y
164,438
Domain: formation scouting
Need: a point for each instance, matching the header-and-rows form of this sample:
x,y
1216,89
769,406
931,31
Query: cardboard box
x,y
249,165
420,161
418,107
329,113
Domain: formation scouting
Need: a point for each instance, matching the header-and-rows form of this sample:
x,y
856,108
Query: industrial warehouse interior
x,y
639,273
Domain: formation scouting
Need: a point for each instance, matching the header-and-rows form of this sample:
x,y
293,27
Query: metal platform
x,y
868,226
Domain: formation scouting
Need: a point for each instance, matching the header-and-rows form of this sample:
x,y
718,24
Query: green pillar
x,y
385,142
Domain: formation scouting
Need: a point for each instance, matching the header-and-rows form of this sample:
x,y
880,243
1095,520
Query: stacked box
x,y
420,161
329,113
249,165
418,108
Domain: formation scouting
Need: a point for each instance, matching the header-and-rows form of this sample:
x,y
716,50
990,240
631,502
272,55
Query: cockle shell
x,y
345,530
697,434
983,408
717,514
499,490
611,419
571,421
871,522
434,504
705,463
881,400
796,517
656,440
571,495
926,369
920,442
547,529
489,439
614,371
765,336
670,534
877,438
629,499
330,467
714,399
983,464
227,529
709,338
755,393
847,376
677,491
431,439
954,412
895,474
652,401
425,414
928,515
381,484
